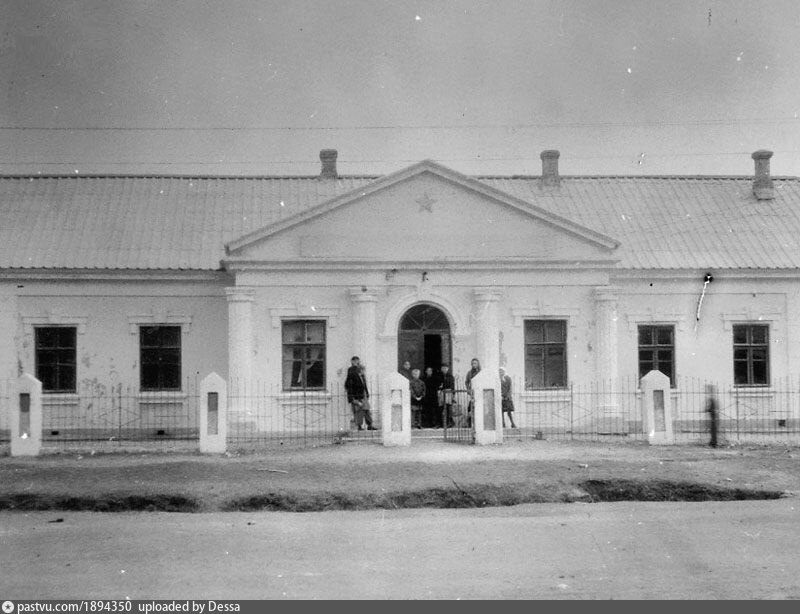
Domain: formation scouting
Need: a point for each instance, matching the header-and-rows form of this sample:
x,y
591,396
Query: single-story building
x,y
144,281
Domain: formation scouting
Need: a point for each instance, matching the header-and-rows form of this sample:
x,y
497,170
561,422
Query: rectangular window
x,y
56,354
160,356
657,350
545,354
751,354
303,354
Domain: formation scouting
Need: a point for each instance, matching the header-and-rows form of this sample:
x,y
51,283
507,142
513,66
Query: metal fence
x,y
117,417
260,415
613,410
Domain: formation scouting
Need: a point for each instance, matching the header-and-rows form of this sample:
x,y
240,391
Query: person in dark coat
x,y
355,384
417,389
431,415
445,391
405,370
713,412
474,370
505,398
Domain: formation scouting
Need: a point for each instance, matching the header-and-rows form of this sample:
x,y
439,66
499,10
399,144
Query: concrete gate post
x,y
487,416
396,411
213,414
26,417
657,408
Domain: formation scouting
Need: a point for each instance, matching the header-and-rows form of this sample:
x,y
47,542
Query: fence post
x,y
396,411
657,408
213,414
26,417
487,414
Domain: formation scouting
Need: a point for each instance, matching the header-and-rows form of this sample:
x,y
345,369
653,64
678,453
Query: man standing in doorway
x,y
358,395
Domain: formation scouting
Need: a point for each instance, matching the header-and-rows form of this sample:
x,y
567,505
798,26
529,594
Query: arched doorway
x,y
423,338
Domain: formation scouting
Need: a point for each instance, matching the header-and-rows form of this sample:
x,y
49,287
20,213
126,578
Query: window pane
x,y
664,359
292,367
315,332
55,358
149,376
293,332
315,367
664,335
759,354
148,336
160,357
170,336
739,334
534,368
759,372
303,354
645,335
760,334
170,377
555,375
554,331
740,372
534,331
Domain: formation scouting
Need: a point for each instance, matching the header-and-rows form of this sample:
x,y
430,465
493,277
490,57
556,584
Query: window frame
x,y
143,350
59,365
562,344
749,347
306,362
654,347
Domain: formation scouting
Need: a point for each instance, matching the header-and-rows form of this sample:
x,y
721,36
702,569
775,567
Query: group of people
x,y
432,396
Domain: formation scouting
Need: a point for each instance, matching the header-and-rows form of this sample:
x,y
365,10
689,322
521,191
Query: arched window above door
x,y
424,317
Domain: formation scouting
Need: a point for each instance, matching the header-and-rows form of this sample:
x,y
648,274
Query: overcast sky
x,y
260,86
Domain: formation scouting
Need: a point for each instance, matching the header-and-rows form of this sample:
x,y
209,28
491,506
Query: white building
x,y
144,280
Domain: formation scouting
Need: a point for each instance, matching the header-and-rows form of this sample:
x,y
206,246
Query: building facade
x,y
145,281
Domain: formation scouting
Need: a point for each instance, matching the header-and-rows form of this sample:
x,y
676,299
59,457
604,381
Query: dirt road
x,y
717,550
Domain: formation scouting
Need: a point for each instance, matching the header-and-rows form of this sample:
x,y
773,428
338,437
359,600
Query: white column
x,y
606,373
240,334
487,329
605,300
365,329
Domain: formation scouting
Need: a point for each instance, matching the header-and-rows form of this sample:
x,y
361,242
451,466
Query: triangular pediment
x,y
424,213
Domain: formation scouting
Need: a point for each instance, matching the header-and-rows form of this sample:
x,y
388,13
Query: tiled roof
x,y
128,222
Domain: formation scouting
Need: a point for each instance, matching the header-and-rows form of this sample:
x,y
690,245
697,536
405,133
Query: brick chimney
x,y
550,167
328,159
762,182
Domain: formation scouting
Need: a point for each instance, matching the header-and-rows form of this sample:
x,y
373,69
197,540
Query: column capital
x,y
363,295
240,294
487,295
607,294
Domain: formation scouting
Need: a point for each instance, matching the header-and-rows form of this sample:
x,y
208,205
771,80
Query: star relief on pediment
x,y
425,202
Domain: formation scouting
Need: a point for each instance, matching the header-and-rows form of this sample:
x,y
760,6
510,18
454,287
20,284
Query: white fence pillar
x,y
213,414
657,408
488,410
396,411
26,417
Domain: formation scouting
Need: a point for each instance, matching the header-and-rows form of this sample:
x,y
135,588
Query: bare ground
x,y
367,475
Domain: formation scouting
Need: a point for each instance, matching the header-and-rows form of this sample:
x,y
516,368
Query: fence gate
x,y
459,426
